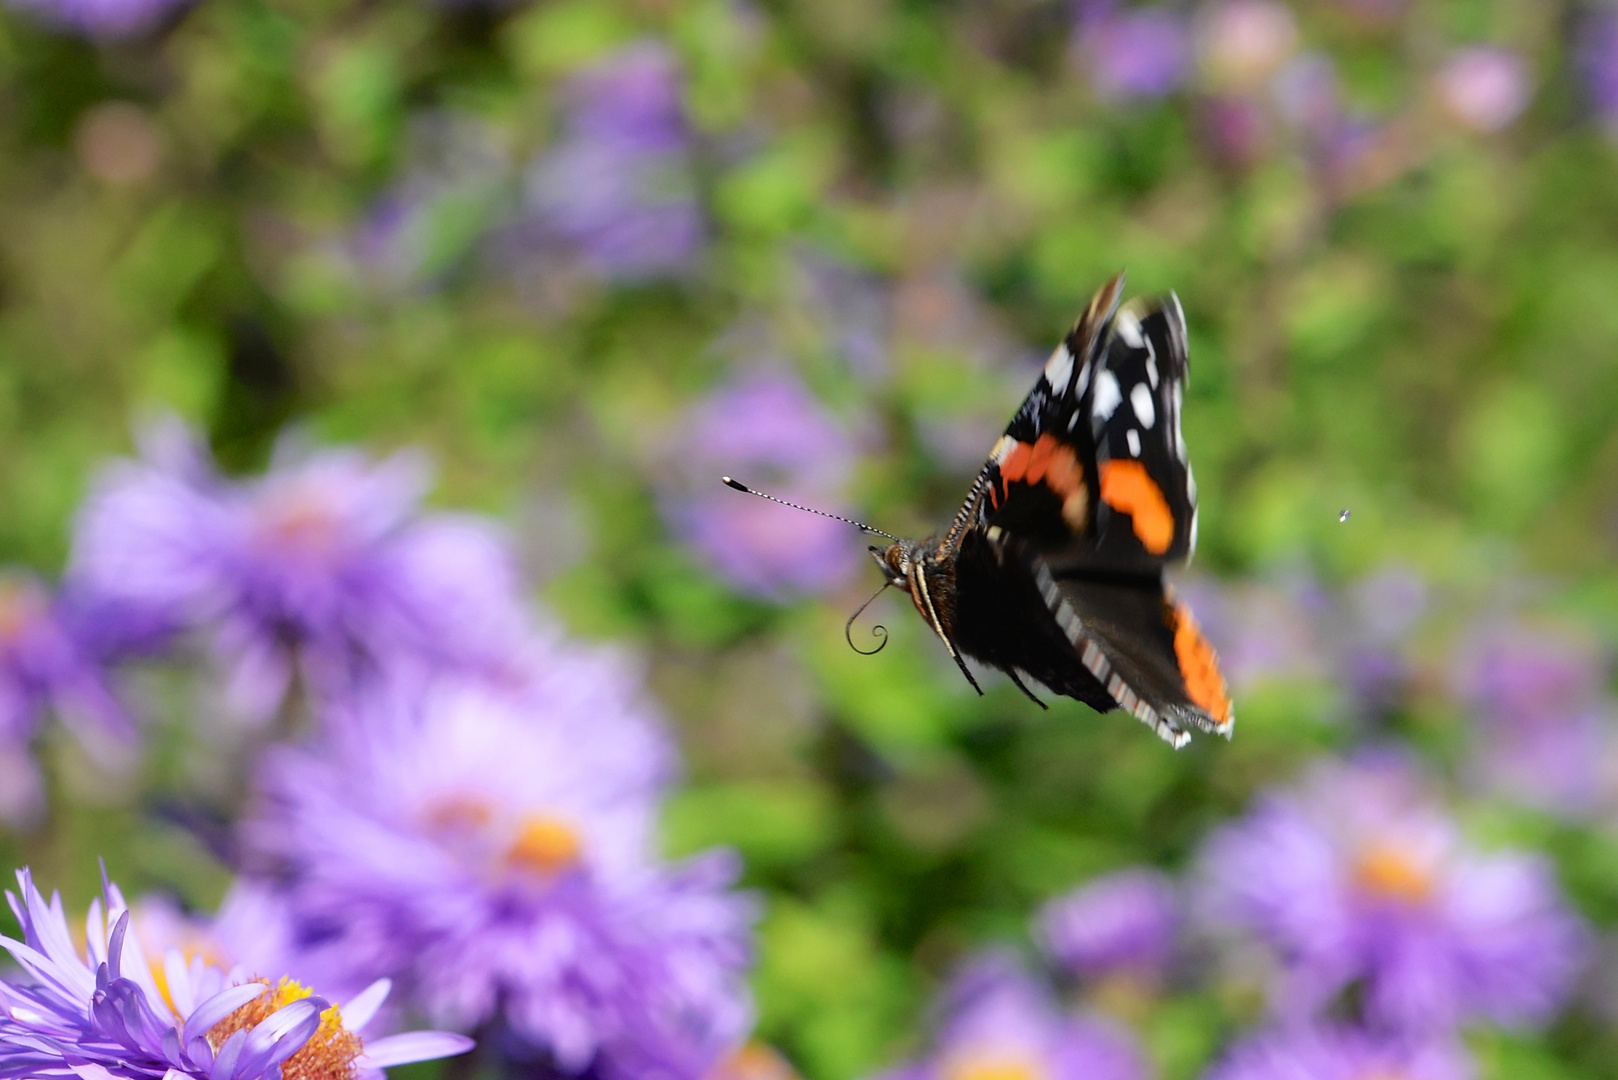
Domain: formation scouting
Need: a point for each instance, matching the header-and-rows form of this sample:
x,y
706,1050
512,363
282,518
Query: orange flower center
x,y
459,813
754,1061
545,844
993,1066
1388,872
18,607
328,1055
303,521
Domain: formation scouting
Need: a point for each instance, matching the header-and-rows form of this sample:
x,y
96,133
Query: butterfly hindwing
x,y
1145,648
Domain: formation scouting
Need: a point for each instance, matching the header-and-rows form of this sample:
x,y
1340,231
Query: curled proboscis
x,y
878,631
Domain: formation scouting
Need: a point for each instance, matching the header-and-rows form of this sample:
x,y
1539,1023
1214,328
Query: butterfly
x,y
1053,566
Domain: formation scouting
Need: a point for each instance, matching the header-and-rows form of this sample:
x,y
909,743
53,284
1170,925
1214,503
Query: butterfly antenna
x,y
878,631
739,486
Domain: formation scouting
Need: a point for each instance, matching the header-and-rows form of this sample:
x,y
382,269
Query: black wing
x,y
1084,501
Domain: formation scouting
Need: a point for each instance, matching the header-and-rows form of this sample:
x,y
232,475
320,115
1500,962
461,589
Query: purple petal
x,y
281,1035
115,946
358,1010
230,1053
219,1006
413,1046
178,978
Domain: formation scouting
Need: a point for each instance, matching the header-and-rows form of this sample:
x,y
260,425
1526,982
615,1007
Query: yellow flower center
x,y
1388,872
545,844
993,1066
328,1055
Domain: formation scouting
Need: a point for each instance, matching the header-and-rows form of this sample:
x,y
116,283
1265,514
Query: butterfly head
x,y
899,560
917,567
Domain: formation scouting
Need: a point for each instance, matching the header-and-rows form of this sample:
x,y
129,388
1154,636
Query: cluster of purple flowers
x,y
767,428
618,185
1291,629
995,1021
103,18
469,812
1257,88
491,848
324,570
1537,707
51,661
1359,878
1378,932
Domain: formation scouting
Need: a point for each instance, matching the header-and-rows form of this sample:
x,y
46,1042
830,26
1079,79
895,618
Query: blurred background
x,y
584,256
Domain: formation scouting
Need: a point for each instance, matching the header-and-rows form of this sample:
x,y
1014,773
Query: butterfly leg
x,y
964,669
1012,674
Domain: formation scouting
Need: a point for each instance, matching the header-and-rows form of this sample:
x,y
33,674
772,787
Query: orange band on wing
x,y
1047,460
1128,489
1199,667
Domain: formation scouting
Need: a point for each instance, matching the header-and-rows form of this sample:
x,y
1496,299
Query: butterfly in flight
x,y
1053,566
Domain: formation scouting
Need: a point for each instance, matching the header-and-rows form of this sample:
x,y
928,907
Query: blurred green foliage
x,y
1434,350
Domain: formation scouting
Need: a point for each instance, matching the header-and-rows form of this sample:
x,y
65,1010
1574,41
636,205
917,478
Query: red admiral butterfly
x,y
1053,567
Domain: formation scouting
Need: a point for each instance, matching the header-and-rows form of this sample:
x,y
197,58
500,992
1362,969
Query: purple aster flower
x,y
1241,43
997,1023
1359,876
492,849
1133,53
102,18
1121,923
1340,1053
1235,129
1484,87
1598,60
1347,152
253,931
1365,630
768,431
49,663
325,567
618,186
1541,718
110,1014
854,309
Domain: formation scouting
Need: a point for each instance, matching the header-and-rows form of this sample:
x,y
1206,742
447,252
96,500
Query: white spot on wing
x,y
1107,396
1059,369
1133,438
1177,398
1128,328
1140,399
1151,365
